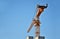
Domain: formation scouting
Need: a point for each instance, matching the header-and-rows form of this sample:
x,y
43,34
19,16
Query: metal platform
x,y
31,37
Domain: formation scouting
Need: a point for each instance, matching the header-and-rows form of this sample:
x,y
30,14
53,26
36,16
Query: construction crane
x,y
35,21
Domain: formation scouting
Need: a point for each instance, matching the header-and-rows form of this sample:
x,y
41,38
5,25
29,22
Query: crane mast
x,y
36,21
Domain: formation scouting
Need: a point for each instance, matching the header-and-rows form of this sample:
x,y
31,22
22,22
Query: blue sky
x,y
16,17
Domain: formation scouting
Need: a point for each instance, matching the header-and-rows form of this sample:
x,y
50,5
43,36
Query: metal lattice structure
x,y
36,21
